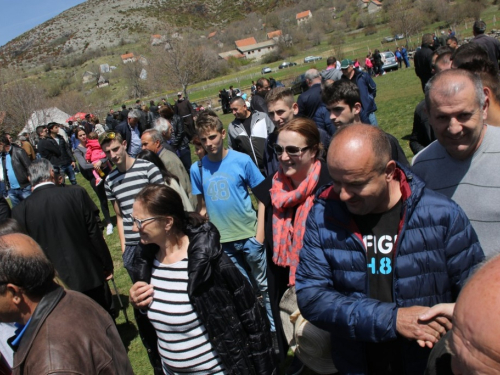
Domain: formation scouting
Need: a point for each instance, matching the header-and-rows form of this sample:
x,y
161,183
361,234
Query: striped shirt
x,y
124,186
183,341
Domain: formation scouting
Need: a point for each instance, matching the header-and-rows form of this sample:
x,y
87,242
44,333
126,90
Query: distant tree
x,y
184,62
132,75
404,18
19,99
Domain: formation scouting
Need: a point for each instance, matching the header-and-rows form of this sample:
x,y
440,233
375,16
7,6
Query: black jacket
x,y
56,150
20,163
63,221
423,64
422,134
236,323
180,139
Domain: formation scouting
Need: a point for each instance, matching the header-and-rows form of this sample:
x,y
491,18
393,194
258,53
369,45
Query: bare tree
x,y
404,17
185,62
19,99
132,74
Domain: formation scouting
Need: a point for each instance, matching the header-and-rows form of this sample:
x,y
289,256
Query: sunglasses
x,y
290,150
110,135
139,222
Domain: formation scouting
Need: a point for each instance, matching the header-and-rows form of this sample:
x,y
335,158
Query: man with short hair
x,y
122,185
64,158
258,102
248,131
423,60
372,239
490,44
472,346
184,109
282,109
152,140
111,122
344,103
422,134
331,73
474,58
63,221
367,91
60,331
310,104
164,127
460,164
14,166
452,42
221,185
131,132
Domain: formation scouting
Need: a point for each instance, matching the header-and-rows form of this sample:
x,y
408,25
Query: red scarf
x,y
288,231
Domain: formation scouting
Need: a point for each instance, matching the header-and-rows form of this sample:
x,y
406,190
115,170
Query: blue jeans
x,y
70,172
3,190
18,195
373,119
249,256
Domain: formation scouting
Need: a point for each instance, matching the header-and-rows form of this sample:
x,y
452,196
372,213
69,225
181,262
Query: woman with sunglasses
x,y
288,196
199,313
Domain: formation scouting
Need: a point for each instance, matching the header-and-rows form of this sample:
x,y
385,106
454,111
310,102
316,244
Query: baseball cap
x,y
345,63
179,93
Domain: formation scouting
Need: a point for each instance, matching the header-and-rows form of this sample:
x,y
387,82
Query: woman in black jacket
x,y
205,316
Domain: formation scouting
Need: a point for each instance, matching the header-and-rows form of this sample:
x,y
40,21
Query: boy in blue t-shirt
x,y
221,186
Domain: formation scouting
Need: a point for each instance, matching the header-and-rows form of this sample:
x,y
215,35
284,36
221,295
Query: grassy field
x,y
397,95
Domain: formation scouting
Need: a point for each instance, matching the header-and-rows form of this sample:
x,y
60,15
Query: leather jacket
x,y
69,333
20,163
235,321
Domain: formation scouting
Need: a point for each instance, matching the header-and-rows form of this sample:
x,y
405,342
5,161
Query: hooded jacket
x,y
235,321
435,253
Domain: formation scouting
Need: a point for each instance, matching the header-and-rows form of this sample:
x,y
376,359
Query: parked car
x,y
309,59
399,36
285,64
266,70
299,85
388,39
391,63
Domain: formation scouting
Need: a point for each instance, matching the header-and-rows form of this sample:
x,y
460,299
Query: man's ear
x,y
390,168
295,108
488,94
357,108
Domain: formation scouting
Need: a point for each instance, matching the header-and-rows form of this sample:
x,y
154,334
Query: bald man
x,y
379,249
472,346
59,331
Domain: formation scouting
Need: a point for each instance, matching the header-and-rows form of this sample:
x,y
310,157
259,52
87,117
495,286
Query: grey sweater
x,y
473,183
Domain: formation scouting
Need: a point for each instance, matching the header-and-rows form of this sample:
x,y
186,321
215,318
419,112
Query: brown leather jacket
x,y
70,334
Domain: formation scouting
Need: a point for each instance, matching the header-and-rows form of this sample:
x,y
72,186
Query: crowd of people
x,y
310,231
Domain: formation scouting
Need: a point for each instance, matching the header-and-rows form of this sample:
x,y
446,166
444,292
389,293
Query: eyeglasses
x,y
290,150
139,222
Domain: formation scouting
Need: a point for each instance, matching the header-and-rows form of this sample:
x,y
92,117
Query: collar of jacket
x,y
203,251
42,311
411,190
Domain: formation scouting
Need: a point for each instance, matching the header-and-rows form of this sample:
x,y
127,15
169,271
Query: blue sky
x,y
18,16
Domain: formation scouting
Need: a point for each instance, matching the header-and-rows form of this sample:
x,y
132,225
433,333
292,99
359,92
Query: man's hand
x,y
73,165
97,165
141,295
441,313
108,275
410,326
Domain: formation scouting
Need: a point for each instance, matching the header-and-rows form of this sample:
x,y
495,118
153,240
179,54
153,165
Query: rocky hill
x,y
101,24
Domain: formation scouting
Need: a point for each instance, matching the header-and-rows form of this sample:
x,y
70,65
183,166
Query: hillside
x,y
101,24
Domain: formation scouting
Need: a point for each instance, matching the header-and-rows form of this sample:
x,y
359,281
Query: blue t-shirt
x,y
225,189
14,184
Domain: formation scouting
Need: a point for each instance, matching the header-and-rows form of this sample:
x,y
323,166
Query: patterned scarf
x,y
288,231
